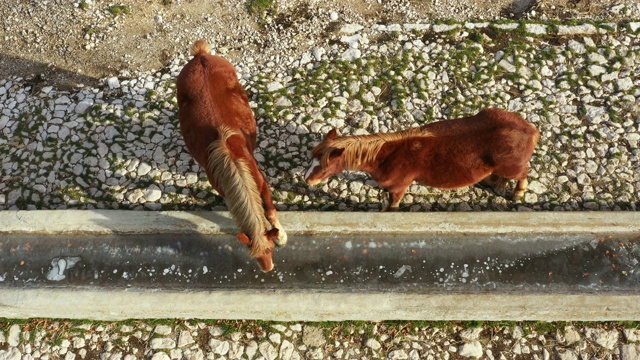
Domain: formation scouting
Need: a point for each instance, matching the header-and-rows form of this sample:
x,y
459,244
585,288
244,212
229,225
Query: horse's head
x,y
326,160
266,259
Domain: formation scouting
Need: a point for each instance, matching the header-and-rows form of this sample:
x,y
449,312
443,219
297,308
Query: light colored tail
x,y
199,47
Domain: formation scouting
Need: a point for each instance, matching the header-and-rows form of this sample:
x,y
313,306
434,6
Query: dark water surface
x,y
418,263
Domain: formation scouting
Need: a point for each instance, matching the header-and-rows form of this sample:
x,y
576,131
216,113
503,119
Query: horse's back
x,y
210,96
461,151
209,92
485,122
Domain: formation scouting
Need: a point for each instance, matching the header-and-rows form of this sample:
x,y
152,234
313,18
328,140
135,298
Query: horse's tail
x,y
200,47
242,196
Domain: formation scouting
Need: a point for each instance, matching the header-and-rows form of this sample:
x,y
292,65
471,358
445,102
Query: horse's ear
x,y
244,239
332,134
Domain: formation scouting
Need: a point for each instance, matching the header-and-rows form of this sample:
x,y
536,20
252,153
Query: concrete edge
x,y
304,305
211,223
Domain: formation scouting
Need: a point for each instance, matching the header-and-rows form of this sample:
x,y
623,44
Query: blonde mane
x,y
241,191
362,149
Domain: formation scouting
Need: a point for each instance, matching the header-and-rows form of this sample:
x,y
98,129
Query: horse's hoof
x,y
517,196
282,238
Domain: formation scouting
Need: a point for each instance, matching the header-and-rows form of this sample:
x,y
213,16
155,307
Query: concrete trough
x,y
111,265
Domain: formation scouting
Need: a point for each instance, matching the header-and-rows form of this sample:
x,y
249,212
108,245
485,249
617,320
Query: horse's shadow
x,y
486,196
184,240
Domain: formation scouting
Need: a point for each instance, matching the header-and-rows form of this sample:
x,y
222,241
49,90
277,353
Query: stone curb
x,y
305,305
219,222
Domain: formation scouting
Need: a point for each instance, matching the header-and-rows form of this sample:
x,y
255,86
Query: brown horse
x,y
219,130
494,145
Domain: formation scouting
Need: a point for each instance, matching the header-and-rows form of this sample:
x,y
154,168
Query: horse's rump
x,y
209,85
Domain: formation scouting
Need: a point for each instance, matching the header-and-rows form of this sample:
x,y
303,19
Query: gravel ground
x,y
191,340
118,146
69,141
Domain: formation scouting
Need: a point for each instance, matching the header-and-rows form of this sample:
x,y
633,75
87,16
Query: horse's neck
x,y
365,156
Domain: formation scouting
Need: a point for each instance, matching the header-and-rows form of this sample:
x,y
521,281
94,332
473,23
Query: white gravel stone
x,y
14,335
274,86
471,349
583,179
507,65
286,350
163,330
629,351
216,331
160,356
153,193
624,84
417,27
318,52
113,83
373,344
268,351
83,106
471,334
444,27
351,54
597,58
596,114
577,29
251,349
352,41
135,196
576,47
632,335
398,354
608,339
162,343
536,29
567,354
220,347
351,28
11,354
143,169
506,26
275,338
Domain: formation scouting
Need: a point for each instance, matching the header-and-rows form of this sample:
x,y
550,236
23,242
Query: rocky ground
x,y
164,340
68,43
118,146
88,120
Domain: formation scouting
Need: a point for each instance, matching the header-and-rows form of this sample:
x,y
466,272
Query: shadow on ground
x,y
39,74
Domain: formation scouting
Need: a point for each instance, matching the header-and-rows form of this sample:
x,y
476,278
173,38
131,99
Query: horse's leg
x,y
521,176
269,210
272,215
521,187
495,181
395,196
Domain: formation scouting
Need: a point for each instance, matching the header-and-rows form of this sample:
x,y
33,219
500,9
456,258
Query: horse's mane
x,y
361,149
241,191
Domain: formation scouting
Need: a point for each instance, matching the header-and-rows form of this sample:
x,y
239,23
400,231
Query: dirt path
x,y
64,44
